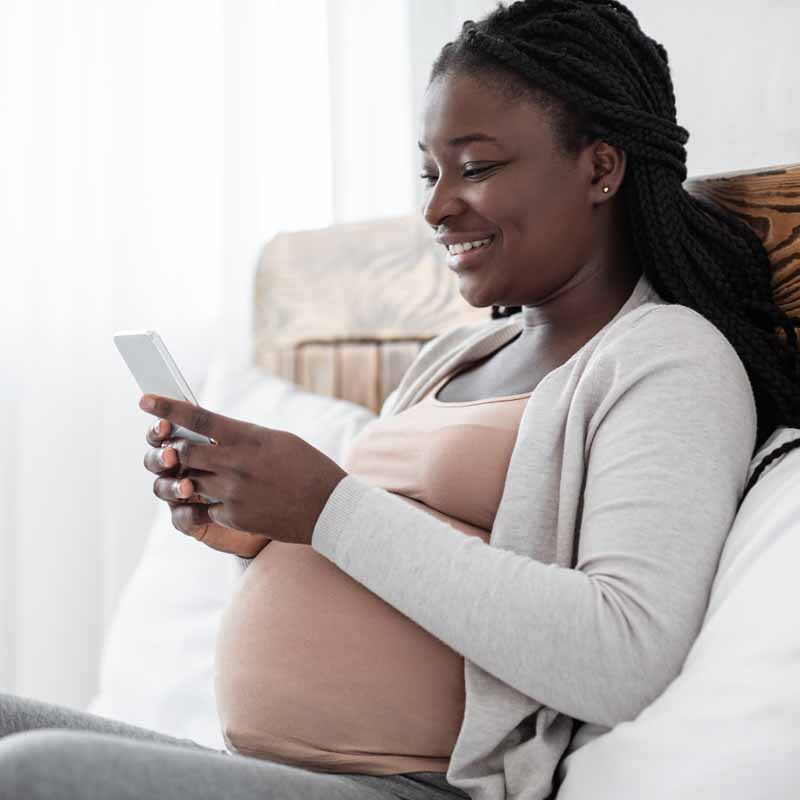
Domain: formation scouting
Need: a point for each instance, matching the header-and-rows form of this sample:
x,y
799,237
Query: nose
x,y
442,202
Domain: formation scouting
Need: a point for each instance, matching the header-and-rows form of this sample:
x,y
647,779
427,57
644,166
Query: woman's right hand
x,y
163,461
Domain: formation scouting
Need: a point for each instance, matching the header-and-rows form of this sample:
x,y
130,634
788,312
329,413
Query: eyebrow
x,y
458,141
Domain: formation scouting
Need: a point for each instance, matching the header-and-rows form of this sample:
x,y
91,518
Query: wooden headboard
x,y
344,310
768,200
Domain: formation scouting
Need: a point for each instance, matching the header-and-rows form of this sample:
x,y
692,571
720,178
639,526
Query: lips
x,y
469,257
459,238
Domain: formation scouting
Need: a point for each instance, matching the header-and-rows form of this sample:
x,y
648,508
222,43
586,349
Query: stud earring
x,y
605,188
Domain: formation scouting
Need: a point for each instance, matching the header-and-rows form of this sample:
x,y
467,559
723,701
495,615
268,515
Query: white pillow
x,y
157,663
728,727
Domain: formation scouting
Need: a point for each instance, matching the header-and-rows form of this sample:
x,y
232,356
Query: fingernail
x,y
183,491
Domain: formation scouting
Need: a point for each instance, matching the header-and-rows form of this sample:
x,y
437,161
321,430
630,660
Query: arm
x,y
240,564
670,447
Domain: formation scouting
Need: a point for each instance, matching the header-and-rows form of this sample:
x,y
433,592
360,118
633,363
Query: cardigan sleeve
x,y
669,444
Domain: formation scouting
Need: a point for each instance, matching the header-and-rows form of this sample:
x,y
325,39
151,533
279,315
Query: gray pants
x,y
52,752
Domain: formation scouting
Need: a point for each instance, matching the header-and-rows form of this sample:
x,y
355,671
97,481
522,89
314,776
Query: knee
x,y
34,764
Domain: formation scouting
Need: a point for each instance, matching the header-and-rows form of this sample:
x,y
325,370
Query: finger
x,y
195,418
162,460
195,498
210,487
191,519
198,456
206,486
173,488
158,432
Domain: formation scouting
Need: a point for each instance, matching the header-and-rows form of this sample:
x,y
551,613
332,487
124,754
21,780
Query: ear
x,y
608,169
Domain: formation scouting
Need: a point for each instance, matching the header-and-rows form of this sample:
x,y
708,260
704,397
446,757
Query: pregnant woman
x,y
517,553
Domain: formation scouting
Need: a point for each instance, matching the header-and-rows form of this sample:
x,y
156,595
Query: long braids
x,y
589,64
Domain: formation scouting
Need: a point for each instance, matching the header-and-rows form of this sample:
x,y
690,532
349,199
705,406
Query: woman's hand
x,y
163,461
255,480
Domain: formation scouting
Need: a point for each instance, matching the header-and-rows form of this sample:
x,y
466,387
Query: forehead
x,y
457,105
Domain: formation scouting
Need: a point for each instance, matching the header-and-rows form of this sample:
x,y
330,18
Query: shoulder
x,y
657,334
674,357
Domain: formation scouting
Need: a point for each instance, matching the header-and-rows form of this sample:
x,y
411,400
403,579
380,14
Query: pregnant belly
x,y
313,669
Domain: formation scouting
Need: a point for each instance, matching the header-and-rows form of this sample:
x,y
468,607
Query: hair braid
x,y
590,65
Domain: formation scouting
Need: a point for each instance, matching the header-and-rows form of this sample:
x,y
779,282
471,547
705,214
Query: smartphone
x,y
156,372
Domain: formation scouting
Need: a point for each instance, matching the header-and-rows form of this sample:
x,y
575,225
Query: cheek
x,y
520,207
536,215
548,218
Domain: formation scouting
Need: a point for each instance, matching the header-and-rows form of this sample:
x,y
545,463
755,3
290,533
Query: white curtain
x,y
148,149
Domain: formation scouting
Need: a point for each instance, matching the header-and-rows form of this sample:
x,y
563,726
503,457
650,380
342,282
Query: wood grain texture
x,y
768,200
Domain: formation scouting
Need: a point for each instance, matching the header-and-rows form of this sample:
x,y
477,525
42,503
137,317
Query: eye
x,y
468,173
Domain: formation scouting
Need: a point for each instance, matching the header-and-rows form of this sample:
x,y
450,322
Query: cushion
x,y
157,661
728,726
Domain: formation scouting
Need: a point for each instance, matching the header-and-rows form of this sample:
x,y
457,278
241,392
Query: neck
x,y
579,309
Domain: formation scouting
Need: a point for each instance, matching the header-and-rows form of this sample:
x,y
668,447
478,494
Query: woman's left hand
x,y
258,480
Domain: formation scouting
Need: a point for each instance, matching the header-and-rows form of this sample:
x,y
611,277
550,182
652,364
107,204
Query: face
x,y
539,205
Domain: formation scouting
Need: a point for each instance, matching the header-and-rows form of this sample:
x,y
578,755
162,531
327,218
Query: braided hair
x,y
598,76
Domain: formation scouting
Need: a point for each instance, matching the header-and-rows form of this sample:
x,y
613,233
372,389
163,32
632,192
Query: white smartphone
x,y
156,372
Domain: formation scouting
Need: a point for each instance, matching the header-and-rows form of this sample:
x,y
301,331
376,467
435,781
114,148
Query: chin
x,y
476,301
482,304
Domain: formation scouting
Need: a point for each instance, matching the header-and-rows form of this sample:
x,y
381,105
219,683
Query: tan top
x,y
313,669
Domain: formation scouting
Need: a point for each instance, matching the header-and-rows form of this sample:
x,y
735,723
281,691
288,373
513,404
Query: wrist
x,y
258,545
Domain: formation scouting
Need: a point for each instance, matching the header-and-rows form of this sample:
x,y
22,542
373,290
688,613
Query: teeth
x,y
456,249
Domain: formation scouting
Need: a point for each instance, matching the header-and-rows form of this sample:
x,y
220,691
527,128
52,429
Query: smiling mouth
x,y
469,257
